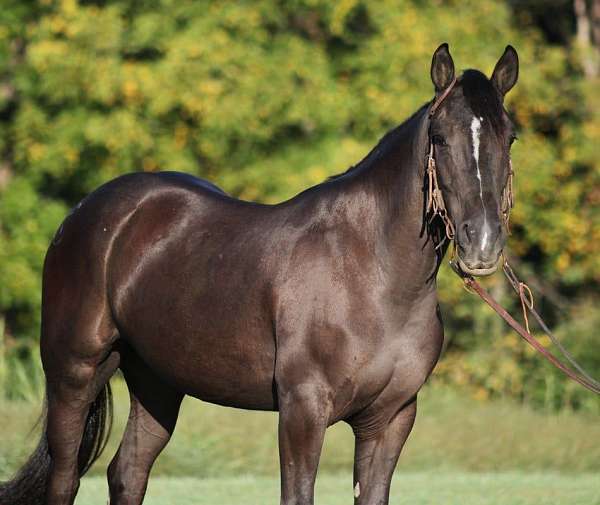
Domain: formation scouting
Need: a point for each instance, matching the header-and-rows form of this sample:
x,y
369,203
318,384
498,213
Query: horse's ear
x,y
506,72
442,68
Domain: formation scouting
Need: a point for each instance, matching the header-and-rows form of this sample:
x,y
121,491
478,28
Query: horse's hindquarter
x,y
190,296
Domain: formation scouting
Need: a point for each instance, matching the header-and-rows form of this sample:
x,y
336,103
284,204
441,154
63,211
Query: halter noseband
x,y
435,199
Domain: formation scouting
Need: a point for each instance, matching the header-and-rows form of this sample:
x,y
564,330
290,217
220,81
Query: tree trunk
x,y
587,36
595,15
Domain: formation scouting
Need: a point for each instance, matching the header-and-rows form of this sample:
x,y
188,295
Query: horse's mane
x,y
481,96
383,146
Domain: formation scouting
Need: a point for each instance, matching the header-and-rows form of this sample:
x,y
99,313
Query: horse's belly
x,y
227,371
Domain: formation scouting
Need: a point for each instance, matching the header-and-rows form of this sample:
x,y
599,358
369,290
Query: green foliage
x,y
21,376
28,220
267,97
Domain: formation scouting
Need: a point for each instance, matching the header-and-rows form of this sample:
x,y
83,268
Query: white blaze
x,y
475,132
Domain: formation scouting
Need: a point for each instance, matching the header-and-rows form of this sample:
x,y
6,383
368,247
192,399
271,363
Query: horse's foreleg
x,y
376,456
153,414
303,420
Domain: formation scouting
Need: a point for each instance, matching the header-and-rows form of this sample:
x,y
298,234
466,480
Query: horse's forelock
x,y
482,98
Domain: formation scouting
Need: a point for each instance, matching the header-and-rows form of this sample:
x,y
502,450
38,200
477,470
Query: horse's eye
x,y
438,140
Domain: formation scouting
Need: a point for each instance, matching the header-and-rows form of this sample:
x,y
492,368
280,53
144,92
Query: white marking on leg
x,y
475,133
357,490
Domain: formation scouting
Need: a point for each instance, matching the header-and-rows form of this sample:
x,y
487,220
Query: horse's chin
x,y
478,271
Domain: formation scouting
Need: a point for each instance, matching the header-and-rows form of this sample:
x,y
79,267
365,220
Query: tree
x,y
267,97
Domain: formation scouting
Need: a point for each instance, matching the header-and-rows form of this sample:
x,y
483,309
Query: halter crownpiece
x,y
439,99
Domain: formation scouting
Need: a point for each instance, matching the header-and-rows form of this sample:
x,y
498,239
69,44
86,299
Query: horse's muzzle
x,y
479,244
478,269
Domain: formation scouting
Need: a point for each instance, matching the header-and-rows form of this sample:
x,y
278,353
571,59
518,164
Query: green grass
x,y
461,452
453,433
427,488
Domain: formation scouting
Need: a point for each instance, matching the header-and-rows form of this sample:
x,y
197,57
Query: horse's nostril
x,y
468,232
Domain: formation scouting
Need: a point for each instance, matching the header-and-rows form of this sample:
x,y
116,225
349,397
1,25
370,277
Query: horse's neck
x,y
395,181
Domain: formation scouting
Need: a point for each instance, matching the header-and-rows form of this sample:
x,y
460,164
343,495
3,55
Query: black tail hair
x,y
28,487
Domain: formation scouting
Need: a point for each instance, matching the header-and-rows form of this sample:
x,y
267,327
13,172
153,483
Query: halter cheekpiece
x,y
435,199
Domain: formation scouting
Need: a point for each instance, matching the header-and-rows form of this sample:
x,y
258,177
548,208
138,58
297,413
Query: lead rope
x,y
582,377
526,298
527,306
437,207
517,286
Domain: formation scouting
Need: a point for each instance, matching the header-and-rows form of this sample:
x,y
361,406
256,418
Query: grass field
x,y
408,489
453,433
461,452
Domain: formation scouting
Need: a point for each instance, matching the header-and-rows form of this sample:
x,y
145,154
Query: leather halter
x,y
435,199
437,207
438,101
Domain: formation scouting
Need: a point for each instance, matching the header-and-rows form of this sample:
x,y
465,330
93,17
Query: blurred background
x,y
268,97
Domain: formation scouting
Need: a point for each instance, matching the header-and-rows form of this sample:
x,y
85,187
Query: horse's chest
x,y
395,373
407,355
363,356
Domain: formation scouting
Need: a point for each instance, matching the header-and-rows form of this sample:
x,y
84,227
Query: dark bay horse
x,y
323,307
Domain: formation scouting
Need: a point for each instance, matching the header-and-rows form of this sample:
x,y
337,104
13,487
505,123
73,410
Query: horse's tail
x,y
28,487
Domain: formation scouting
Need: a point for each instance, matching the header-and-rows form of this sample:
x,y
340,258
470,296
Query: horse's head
x,y
471,135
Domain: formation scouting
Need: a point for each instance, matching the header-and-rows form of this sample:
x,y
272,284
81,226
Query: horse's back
x,y
190,180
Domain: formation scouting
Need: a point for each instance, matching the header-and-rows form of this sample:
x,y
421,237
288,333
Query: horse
x,y
322,307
